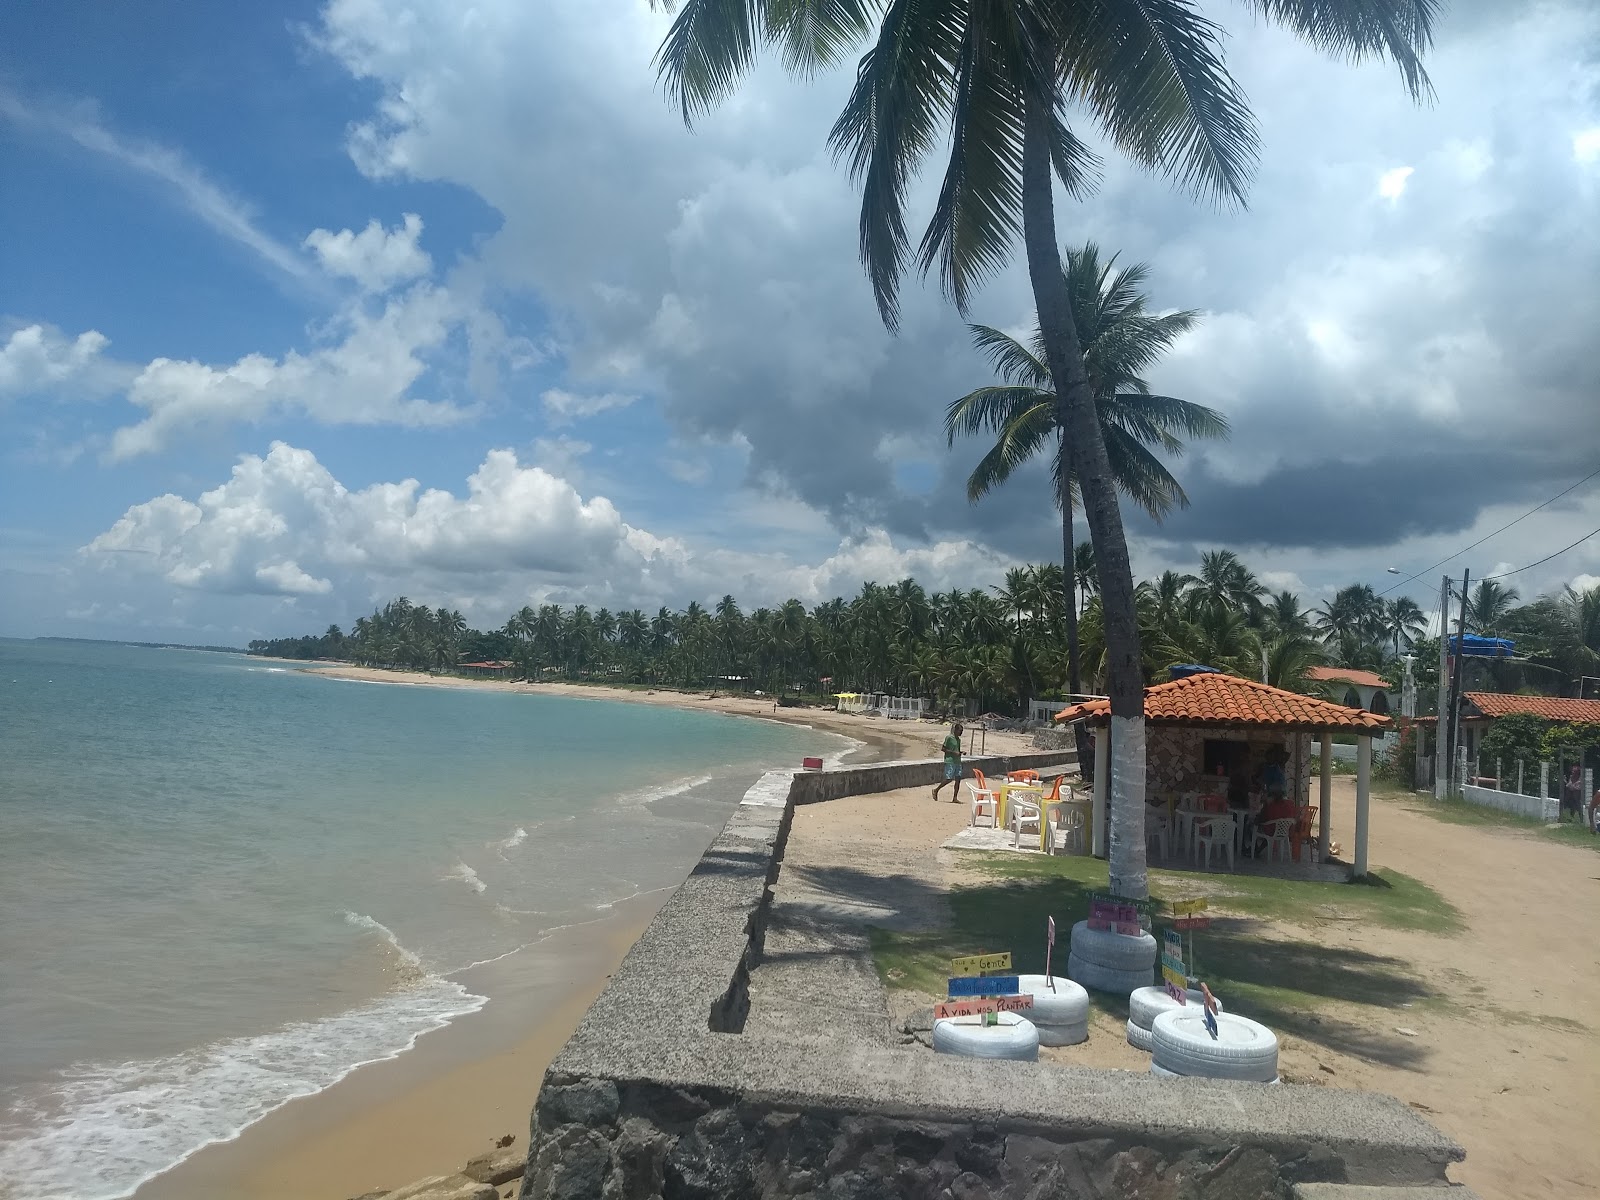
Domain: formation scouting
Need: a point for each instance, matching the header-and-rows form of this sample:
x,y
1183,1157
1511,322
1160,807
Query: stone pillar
x,y
1363,800
1102,781
1325,796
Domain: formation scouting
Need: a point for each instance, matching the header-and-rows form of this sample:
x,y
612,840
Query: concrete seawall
x,y
659,1093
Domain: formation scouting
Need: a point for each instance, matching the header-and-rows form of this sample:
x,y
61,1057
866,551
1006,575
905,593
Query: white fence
x,y
1538,808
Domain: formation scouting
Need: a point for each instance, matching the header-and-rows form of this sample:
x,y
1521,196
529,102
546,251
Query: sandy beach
x,y
462,1088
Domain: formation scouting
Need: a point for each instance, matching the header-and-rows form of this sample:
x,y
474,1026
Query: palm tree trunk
x,y
1069,587
1081,427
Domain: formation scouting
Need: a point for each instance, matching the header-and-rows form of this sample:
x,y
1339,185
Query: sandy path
x,y
1503,1051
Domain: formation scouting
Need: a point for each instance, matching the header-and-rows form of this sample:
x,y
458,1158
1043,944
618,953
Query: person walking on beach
x,y
952,763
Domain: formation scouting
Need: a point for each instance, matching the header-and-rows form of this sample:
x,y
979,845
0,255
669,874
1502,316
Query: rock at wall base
x,y
497,1166
445,1187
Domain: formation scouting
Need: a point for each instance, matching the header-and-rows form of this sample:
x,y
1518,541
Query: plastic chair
x,y
1276,835
1019,813
1073,828
1025,775
1305,834
984,804
1157,828
1214,833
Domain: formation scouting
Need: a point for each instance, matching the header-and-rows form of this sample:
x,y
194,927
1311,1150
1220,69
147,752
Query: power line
x,y
1543,560
1501,530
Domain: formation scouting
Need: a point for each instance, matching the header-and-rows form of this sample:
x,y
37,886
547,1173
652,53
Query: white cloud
x,y
282,525
1392,183
365,379
38,360
1586,145
565,407
191,186
376,258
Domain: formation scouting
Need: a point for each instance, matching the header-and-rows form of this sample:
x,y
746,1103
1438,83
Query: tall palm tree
x,y
1120,341
1403,622
1001,76
1225,582
1488,605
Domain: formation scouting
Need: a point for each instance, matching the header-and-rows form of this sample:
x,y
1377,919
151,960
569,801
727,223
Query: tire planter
x,y
1243,1049
1139,1037
1118,951
1162,1073
1063,1035
1104,979
1013,1037
1147,1003
1058,1014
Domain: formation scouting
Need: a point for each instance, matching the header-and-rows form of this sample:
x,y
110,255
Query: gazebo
x,y
1210,723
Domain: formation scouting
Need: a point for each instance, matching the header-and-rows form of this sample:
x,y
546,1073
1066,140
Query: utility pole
x,y
1455,676
1442,730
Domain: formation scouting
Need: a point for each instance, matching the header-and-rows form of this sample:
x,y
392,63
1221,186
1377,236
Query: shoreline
x,y
462,1087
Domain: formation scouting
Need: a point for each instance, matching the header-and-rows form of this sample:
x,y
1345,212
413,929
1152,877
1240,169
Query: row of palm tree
x,y
996,648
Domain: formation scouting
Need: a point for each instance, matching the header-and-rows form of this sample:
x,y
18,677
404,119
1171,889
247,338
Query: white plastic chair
x,y
1021,812
1276,836
1214,833
1156,827
1068,820
984,804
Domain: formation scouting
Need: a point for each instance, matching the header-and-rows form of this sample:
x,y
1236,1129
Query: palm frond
x,y
1357,30
710,45
1011,360
1019,440
1170,415
815,34
1141,475
1152,73
978,212
995,410
890,121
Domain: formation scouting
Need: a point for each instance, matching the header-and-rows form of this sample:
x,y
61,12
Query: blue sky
x,y
303,306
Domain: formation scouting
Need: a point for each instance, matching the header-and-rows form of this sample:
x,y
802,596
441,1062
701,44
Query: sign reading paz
x,y
1173,977
969,1008
978,964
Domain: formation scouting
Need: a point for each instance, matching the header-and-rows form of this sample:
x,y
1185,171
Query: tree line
x,y
997,647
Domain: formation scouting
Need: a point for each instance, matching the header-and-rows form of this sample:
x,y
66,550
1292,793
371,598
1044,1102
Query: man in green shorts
x,y
952,763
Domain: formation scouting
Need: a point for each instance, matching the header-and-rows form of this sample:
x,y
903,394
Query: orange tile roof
x,y
1216,699
1551,708
1348,675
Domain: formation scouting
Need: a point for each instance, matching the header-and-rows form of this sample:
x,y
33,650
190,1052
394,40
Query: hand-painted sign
x,y
1184,908
1173,976
968,1008
985,985
1192,923
978,964
1116,914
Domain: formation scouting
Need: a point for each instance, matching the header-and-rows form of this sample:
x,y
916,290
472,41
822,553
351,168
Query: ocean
x,y
226,883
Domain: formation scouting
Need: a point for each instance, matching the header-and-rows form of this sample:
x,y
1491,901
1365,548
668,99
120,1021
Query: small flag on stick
x,y
1049,944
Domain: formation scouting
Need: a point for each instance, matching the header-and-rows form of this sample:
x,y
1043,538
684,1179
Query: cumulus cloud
x,y
283,525
39,360
376,258
364,379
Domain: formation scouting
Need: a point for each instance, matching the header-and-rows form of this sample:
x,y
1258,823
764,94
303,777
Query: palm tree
x,y
1403,622
1286,619
1355,612
1120,340
1488,605
1150,75
1225,582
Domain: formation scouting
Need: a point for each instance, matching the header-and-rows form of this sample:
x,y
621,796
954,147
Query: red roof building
x,y
1550,708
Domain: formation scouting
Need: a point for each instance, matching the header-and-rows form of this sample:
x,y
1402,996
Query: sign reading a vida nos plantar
x,y
968,1008
1173,976
980,964
1116,914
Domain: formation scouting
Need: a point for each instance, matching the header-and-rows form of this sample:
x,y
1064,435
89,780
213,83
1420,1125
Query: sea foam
x,y
101,1131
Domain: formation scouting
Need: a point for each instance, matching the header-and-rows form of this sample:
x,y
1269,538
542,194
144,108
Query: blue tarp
x,y
1184,670
1473,646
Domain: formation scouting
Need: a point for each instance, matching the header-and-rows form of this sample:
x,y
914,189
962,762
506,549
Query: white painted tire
x,y
1068,1004
1013,1037
1063,1035
1118,951
1147,1003
1243,1049
1139,1037
1103,979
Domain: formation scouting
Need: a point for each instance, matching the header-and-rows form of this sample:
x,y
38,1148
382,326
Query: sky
x,y
306,306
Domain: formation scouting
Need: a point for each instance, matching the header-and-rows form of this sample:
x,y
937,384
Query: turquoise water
x,y
225,883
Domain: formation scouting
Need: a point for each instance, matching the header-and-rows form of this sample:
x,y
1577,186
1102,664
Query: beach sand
x,y
461,1088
